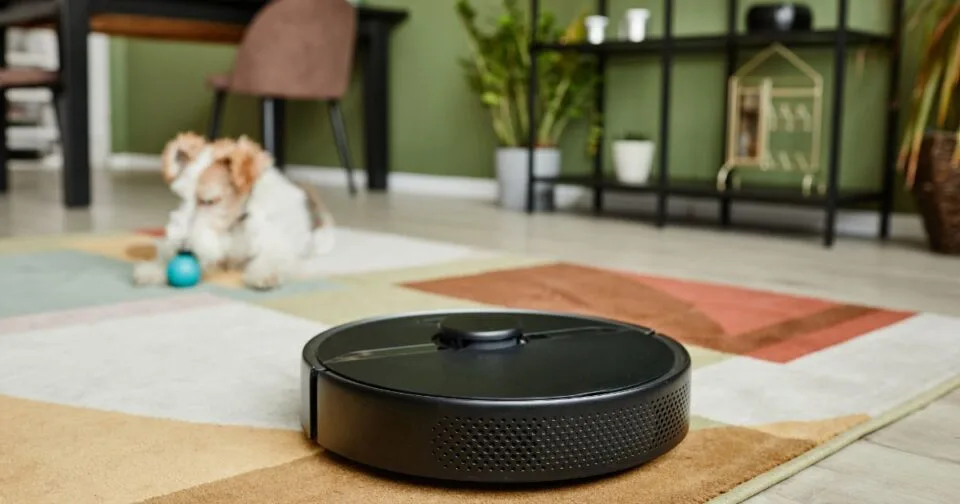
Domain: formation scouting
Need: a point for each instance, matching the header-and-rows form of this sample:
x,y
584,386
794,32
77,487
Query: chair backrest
x,y
300,49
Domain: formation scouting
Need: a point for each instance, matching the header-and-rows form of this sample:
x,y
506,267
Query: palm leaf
x,y
923,115
950,78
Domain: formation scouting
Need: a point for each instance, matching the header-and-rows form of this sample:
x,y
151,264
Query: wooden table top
x,y
167,26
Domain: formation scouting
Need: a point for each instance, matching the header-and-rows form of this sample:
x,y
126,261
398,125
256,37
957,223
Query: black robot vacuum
x,y
495,396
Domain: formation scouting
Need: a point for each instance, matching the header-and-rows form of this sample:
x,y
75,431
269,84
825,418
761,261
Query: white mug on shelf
x,y
596,28
637,24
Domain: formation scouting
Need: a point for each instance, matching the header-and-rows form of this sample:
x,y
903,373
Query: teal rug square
x,y
40,282
65,279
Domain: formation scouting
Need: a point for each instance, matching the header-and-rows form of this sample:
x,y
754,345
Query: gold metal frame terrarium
x,y
774,121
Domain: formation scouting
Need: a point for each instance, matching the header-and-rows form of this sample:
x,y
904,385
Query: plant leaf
x,y
926,104
952,73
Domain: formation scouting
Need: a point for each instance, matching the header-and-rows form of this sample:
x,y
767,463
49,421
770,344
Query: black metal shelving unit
x,y
839,40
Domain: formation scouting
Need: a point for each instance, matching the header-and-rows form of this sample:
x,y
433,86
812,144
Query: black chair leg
x,y
280,131
58,111
4,150
272,127
340,136
219,97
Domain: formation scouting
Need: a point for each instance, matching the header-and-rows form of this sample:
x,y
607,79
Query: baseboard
x,y
856,223
401,182
129,161
47,163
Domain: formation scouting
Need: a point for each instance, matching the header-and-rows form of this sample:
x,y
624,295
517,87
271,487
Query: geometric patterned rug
x,y
111,393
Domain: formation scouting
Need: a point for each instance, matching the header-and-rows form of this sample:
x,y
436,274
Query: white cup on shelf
x,y
636,20
596,28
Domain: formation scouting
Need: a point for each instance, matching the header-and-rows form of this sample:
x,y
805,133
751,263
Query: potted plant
x,y
929,154
633,158
498,70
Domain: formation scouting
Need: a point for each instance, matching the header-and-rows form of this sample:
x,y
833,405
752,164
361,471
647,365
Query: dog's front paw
x,y
149,273
261,277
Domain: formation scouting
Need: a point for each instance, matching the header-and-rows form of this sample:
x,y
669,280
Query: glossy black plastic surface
x,y
512,356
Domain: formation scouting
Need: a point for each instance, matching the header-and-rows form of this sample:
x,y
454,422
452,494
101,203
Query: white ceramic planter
x,y
632,160
596,28
512,177
636,21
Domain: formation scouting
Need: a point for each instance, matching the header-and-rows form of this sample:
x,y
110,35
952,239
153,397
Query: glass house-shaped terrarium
x,y
774,121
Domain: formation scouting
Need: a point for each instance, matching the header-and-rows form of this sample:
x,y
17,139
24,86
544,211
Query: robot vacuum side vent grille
x,y
560,443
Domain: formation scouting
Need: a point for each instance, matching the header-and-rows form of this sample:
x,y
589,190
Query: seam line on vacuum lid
x,y
381,353
423,348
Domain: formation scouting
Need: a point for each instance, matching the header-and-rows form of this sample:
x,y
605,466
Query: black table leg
x,y
893,121
666,83
4,150
376,106
836,125
733,53
75,134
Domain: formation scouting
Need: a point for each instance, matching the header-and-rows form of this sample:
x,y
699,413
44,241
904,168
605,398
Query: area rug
x,y
112,394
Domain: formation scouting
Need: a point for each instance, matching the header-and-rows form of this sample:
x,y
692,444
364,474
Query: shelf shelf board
x,y
30,95
21,13
707,189
714,43
820,38
24,154
29,59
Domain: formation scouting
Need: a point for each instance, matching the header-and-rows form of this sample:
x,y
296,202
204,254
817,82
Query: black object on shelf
x,y
24,154
779,17
838,40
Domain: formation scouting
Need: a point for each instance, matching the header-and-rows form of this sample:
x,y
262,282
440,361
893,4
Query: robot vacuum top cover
x,y
495,396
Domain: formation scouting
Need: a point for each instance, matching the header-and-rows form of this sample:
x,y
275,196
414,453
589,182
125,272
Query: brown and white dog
x,y
237,210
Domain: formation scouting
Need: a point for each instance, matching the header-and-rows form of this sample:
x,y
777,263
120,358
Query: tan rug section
x,y
818,432
705,464
78,455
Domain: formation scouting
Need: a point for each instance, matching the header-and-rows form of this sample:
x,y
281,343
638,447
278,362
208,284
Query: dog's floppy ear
x,y
179,152
247,161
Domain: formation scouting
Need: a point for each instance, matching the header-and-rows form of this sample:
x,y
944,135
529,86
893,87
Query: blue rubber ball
x,y
184,270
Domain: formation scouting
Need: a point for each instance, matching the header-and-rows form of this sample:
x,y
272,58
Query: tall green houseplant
x,y
498,70
929,153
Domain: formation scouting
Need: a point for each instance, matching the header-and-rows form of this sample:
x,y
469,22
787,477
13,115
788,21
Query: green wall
x,y
437,125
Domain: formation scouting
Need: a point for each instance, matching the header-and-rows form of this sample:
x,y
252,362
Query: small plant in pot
x,y
929,153
633,158
498,71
